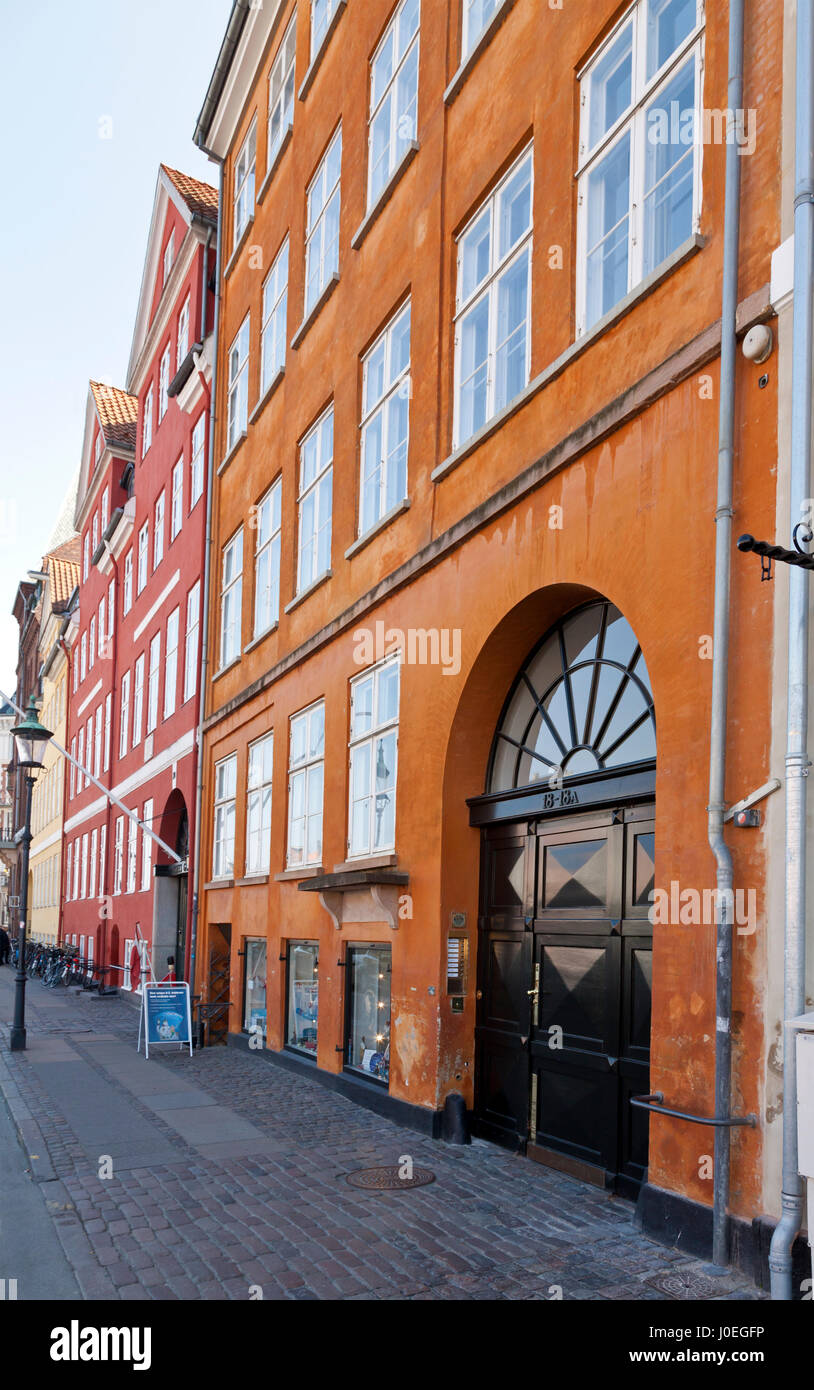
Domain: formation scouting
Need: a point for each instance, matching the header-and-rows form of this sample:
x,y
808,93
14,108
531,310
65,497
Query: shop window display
x,y
368,1030
254,998
303,996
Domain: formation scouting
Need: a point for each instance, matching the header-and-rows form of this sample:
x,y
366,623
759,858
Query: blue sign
x,y
166,1015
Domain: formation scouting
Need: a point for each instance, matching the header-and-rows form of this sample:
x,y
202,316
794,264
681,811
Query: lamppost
x,y
31,739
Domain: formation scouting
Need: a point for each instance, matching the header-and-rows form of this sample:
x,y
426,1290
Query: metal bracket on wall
x,y
655,1102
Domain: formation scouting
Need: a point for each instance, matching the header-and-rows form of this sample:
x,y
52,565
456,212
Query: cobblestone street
x,y
229,1182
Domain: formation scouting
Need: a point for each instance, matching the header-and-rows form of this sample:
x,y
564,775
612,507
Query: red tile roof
x,y
64,575
200,198
118,412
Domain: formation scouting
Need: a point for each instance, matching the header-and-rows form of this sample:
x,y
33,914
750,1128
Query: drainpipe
x,y
797,762
720,663
207,567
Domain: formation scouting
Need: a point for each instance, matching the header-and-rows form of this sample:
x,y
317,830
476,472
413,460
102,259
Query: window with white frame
x,y
315,501
77,846
138,698
169,256
111,607
73,767
97,447
89,751
80,758
92,643
84,890
322,12
182,340
85,558
267,560
322,236
305,786
476,16
105,509
639,176
177,505
97,741
124,713
244,182
147,422
385,422
132,853
231,599
238,398
196,465
374,718
108,728
146,848
258,805
158,532
171,663
102,860
191,641
94,533
275,305
94,845
492,339
101,627
83,657
143,553
127,979
152,682
281,91
127,587
68,865
393,97
223,841
163,383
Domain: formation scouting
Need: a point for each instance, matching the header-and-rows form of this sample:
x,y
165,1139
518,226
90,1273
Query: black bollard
x,y
454,1125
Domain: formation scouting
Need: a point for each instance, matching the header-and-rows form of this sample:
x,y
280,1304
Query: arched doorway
x,y
565,941
170,903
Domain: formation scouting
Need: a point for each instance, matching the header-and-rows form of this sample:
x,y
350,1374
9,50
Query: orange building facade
x,y
457,697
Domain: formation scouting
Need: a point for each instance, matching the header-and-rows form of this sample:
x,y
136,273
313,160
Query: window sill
x,y
219,883
306,593
261,637
227,459
374,531
314,311
250,879
313,66
375,861
241,242
267,395
288,875
681,254
385,195
216,675
471,58
275,163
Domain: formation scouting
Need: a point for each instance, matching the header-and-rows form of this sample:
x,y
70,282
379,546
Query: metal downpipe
x,y
720,663
786,1231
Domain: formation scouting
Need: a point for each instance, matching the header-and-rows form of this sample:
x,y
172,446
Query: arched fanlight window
x,y
581,703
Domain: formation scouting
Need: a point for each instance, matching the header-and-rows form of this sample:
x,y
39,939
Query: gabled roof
x,y
200,198
62,568
117,412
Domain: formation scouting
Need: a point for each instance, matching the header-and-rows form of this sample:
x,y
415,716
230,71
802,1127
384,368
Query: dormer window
x,y
169,256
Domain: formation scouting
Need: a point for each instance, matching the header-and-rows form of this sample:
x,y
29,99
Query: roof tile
x,y
200,198
118,413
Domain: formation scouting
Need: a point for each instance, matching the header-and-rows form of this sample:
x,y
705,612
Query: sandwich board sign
x,y
166,1016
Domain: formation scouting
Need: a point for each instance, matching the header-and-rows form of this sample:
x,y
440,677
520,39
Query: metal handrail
x,y
654,1102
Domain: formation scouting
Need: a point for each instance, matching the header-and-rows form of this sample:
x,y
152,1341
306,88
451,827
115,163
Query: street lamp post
x,y
31,739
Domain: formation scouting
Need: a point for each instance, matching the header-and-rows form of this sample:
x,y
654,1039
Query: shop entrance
x,y
562,1036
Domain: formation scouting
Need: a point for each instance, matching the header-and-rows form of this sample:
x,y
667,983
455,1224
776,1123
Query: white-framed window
x,y
127,982
105,509
169,256
132,854
77,846
231,599
182,340
85,558
639,175
147,422
315,501
306,768
92,643
94,846
89,751
171,663
177,505
393,97
268,516
111,602
101,627
146,848
97,741
124,714
83,657
94,534
258,805
223,840
244,182
275,306
152,682
322,236
138,698
385,422
127,586
281,91
75,664
97,447
158,531
143,553
374,721
238,400
196,464
84,889
476,16
163,383
68,866
73,767
108,728
492,338
191,641
322,12
80,758
102,860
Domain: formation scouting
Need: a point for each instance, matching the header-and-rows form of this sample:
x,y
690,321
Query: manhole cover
x,y
388,1179
683,1284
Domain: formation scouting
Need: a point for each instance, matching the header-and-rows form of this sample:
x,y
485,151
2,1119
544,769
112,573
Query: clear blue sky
x,y
74,230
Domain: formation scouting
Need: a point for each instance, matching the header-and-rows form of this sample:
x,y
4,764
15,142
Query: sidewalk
x,y
228,1181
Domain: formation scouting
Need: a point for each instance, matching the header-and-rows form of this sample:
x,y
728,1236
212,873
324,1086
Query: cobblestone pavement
x,y
229,1182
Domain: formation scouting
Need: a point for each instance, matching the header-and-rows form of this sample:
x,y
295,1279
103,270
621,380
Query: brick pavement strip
x,y
492,1227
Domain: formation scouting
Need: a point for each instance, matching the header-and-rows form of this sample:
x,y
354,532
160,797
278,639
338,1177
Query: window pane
x,y
368,1043
388,693
362,719
668,24
474,368
254,1018
303,996
383,67
514,210
610,88
669,168
608,213
407,100
475,255
512,311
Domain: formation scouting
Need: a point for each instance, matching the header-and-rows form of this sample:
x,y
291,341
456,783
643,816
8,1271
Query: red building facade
x,y
135,648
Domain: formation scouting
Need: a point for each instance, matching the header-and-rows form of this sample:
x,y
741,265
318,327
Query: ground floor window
x,y
254,992
303,996
367,1046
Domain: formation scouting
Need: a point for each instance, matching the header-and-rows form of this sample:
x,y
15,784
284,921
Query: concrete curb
x,y
29,1133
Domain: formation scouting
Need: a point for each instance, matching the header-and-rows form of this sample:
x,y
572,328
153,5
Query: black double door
x,y
564,985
